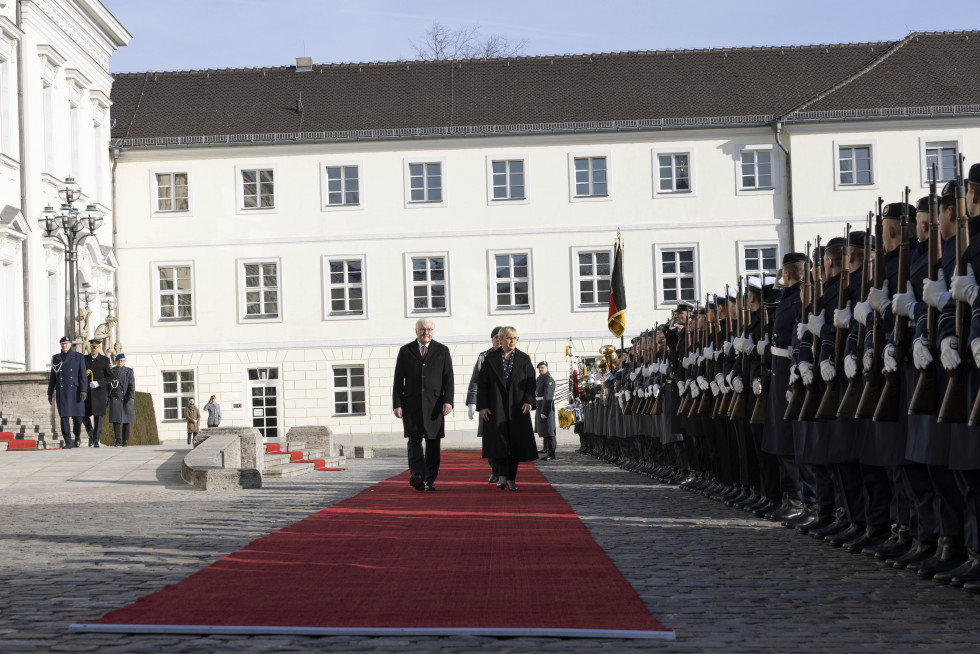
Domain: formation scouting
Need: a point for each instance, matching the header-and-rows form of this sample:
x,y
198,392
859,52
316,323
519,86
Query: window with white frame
x,y
511,283
673,172
756,169
592,278
257,189
677,266
759,259
174,292
425,182
341,186
428,285
943,155
507,179
260,284
590,177
348,391
854,165
345,286
178,388
172,192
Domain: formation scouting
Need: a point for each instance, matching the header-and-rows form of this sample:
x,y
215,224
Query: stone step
x,y
287,470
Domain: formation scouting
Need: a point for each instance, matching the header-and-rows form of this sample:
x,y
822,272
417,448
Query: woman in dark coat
x,y
122,392
504,397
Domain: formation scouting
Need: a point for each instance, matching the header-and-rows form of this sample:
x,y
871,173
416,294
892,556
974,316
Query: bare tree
x,y
447,43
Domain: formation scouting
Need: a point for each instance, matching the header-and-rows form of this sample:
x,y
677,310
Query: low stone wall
x,y
24,397
316,437
225,458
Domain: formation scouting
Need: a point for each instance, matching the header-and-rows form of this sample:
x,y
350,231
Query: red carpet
x,y
466,559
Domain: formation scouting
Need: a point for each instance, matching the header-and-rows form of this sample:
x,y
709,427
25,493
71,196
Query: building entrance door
x,y
263,386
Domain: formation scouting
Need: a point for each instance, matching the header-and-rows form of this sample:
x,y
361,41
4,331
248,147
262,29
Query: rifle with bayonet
x,y
873,378
887,410
795,402
851,401
831,395
765,364
925,397
811,402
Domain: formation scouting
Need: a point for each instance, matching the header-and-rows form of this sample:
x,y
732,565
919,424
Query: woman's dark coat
x,y
508,433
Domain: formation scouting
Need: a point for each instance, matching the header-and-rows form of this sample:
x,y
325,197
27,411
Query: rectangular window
x,y
428,284
760,260
178,388
512,281
756,169
590,177
425,182
678,275
674,173
258,189
172,192
260,284
343,186
175,293
855,165
348,393
345,283
507,180
943,155
593,275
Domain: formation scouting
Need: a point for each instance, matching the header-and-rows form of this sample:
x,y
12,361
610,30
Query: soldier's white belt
x,y
538,398
781,352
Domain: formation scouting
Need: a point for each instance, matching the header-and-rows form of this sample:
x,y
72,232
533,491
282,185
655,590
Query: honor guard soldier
x,y
544,419
68,386
99,371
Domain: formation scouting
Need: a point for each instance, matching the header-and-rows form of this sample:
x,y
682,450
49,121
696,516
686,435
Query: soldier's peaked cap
x,y
894,210
837,241
922,204
974,176
793,257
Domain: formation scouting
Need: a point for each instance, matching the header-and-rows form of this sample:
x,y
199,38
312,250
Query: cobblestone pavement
x,y
723,580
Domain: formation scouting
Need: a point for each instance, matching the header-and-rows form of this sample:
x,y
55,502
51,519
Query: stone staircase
x,y
290,458
26,430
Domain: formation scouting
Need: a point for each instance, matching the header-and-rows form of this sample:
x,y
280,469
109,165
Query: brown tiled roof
x,y
922,70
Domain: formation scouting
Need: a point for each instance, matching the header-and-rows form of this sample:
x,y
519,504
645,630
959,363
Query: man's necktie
x,y
424,348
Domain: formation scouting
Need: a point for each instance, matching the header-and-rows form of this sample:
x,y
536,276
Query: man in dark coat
x,y
99,370
544,417
69,387
122,393
422,396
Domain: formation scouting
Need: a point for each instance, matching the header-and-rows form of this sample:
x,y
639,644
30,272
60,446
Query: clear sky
x,y
194,34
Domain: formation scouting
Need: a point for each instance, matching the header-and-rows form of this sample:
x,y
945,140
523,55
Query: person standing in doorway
x,y
68,386
214,412
422,397
122,395
193,417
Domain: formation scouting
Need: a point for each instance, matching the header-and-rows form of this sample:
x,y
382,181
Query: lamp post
x,y
71,227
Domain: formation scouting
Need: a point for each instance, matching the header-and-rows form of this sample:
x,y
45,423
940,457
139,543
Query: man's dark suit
x,y
421,388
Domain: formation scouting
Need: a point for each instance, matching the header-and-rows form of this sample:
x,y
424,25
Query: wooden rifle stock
x,y
873,380
925,397
811,401
830,402
765,368
887,410
795,402
954,408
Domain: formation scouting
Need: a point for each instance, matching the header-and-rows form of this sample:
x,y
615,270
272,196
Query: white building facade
x,y
54,123
281,272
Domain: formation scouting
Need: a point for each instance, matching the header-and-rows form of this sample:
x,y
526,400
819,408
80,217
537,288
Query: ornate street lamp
x,y
71,227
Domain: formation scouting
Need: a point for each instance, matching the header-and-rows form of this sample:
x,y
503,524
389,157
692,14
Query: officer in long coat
x,y
122,393
68,386
99,371
544,417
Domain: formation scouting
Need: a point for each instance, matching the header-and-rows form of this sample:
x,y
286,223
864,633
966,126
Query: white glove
x,y
647,370
656,390
793,375
867,360
737,344
806,372
850,366
921,356
964,287
720,380
714,389
681,387
903,304
827,370
720,352
686,361
747,344
878,297
703,383
842,317
760,347
634,374
627,395
948,353
664,368
888,355
709,352
728,347
93,384
700,358
737,385
934,292
471,410
757,386
800,330
789,395
862,311
695,391
975,348
816,323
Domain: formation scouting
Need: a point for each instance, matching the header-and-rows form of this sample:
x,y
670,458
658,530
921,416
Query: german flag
x,y
617,293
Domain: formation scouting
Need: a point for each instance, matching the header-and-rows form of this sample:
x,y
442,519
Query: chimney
x,y
304,64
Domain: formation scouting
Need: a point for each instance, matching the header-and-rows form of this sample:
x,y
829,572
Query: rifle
x,y
686,398
799,391
697,338
811,400
726,403
765,365
738,404
873,379
722,398
953,408
831,395
707,399
888,404
852,396
925,397
654,405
